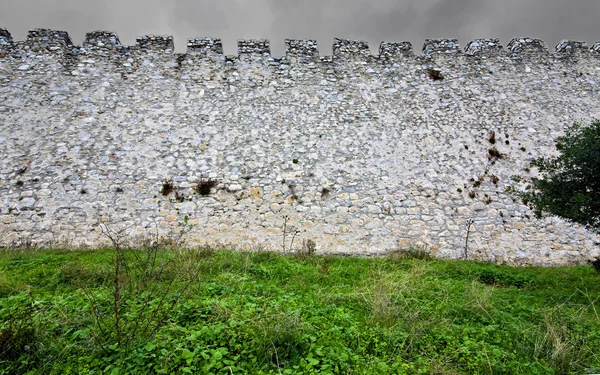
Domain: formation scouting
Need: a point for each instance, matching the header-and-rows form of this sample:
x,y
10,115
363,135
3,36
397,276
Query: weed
x,y
19,341
496,277
180,60
434,74
293,194
286,230
421,252
561,348
380,299
494,154
179,197
281,342
469,224
204,186
167,187
478,297
309,247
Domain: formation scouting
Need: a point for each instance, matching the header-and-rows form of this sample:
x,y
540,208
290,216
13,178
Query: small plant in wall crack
x,y
167,187
204,186
434,74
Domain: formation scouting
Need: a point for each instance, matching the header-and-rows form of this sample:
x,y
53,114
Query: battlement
x,y
434,46
101,39
158,43
490,47
527,46
205,46
249,48
5,37
301,48
350,48
49,41
391,50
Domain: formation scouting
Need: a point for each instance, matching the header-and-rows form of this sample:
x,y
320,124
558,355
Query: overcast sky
x,y
370,20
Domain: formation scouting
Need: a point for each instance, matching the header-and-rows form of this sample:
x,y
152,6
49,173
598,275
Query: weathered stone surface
x,y
484,47
358,153
571,47
433,46
301,48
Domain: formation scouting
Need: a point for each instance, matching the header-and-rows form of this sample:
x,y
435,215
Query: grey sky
x,y
373,21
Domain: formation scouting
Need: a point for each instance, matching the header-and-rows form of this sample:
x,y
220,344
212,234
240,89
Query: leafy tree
x,y
569,184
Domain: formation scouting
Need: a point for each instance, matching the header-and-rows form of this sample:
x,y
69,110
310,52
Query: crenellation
x,y
254,48
101,39
527,46
301,48
48,40
595,49
346,48
5,37
205,46
571,47
394,50
484,47
159,43
441,46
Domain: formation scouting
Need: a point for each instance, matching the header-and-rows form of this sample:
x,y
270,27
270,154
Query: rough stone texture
x,y
484,47
254,48
571,47
361,154
344,48
525,46
432,46
5,37
101,39
301,48
155,42
206,46
388,50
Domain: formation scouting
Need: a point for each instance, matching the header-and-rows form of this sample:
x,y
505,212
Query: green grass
x,y
221,312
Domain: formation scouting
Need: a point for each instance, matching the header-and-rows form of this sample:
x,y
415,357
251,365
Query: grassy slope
x,y
226,312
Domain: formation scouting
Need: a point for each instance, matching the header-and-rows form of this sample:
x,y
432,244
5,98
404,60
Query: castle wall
x,y
361,154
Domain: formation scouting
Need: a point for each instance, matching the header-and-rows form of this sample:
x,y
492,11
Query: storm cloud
x,y
373,21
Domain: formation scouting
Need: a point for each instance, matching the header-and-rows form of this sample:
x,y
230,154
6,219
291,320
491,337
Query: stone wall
x,y
361,154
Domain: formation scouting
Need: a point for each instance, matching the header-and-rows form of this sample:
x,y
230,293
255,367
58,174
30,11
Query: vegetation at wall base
x,y
207,311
